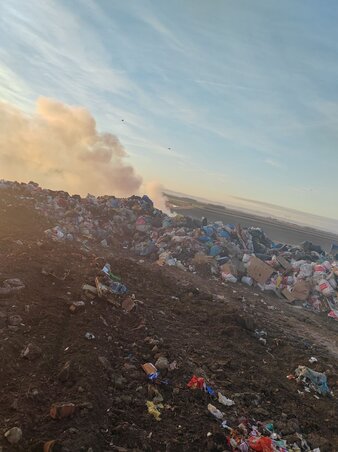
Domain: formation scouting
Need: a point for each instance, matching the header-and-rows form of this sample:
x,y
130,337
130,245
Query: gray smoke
x,y
60,148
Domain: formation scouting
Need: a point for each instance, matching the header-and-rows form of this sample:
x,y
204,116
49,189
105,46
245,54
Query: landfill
x,y
126,328
303,273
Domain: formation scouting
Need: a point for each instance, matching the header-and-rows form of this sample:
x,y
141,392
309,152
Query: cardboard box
x,y
288,295
259,270
301,291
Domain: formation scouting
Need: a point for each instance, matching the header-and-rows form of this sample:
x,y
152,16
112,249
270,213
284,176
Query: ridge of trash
x,y
303,274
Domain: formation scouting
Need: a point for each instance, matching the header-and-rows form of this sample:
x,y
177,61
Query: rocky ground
x,y
206,327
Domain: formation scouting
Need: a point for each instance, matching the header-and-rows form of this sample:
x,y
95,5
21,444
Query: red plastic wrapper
x,y
261,443
196,382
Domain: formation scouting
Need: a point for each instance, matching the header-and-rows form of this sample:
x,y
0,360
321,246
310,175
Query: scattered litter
x,y
312,379
215,412
61,410
128,304
224,400
89,336
149,368
154,409
107,271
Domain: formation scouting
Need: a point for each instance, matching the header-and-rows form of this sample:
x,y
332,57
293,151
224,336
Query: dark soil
x,y
209,332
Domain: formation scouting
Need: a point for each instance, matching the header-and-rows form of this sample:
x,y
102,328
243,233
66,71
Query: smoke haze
x,y
60,148
155,191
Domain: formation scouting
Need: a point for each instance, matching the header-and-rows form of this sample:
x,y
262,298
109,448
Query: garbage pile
x,y
234,254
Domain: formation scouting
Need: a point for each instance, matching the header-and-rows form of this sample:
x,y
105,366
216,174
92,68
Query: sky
x,y
244,93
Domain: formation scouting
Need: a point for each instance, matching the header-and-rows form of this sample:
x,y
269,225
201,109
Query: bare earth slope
x,y
209,332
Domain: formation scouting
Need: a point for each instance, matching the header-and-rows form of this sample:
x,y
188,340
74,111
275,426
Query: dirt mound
x,y
208,329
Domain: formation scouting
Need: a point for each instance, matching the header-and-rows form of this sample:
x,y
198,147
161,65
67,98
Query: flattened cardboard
x,y
301,291
259,270
288,295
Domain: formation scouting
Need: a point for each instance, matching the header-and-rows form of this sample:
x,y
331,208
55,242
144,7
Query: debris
x,y
155,394
300,273
154,409
259,270
229,277
261,444
215,412
313,379
89,336
224,400
76,305
62,410
107,271
196,382
313,360
128,304
149,369
178,242
13,435
247,280
162,363
90,289
31,352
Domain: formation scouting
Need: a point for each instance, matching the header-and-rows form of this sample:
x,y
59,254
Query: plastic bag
x,y
215,412
247,280
224,400
229,277
261,444
325,287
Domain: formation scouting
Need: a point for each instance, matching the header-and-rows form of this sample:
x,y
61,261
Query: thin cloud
x,y
274,163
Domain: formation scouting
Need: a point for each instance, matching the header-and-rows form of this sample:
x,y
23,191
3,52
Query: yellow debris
x,y
154,409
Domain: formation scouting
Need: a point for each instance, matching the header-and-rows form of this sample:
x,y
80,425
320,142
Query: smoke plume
x,y
155,191
60,148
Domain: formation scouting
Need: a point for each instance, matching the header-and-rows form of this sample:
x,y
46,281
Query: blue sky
x,y
245,93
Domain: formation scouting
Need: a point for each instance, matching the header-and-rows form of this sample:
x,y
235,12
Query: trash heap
x,y
303,273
